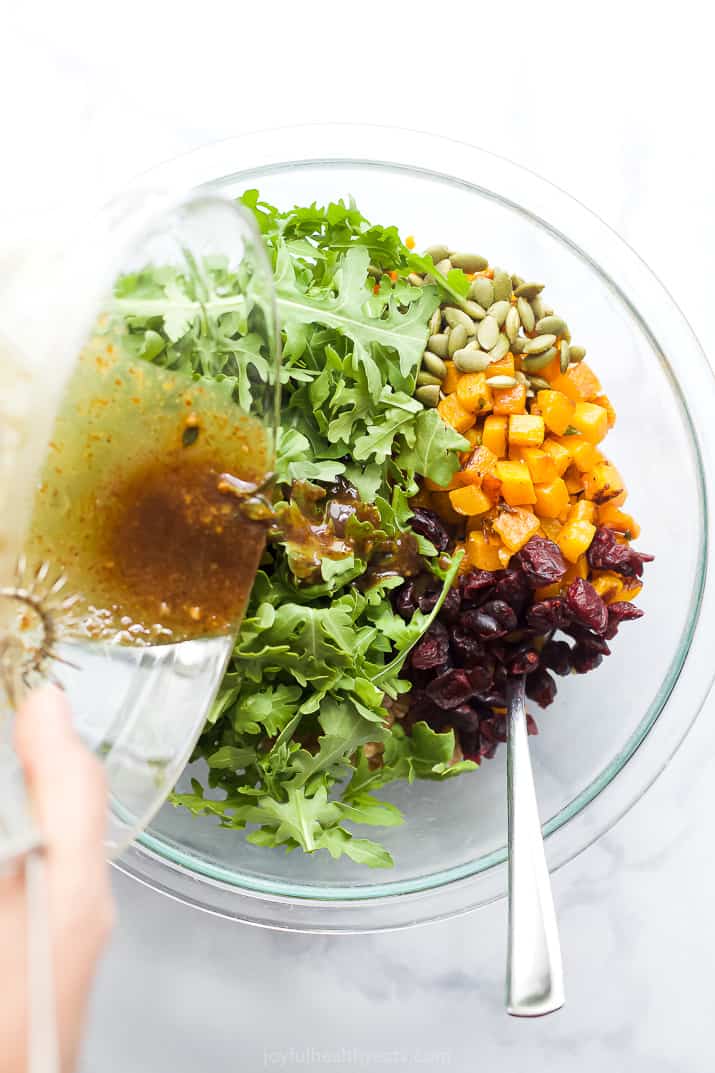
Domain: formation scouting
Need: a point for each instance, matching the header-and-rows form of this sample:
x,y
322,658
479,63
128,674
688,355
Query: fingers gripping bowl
x,y
606,737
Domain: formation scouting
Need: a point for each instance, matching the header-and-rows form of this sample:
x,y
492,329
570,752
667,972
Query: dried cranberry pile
x,y
490,627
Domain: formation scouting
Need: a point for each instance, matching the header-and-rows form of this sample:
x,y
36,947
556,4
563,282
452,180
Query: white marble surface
x,y
613,102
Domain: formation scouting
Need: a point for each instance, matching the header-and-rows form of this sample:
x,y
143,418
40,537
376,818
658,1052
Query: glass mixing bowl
x,y
608,736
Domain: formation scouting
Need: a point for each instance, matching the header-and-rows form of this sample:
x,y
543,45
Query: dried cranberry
x,y
586,605
493,729
621,611
428,597
548,615
542,562
430,526
406,600
492,699
433,649
464,719
584,661
476,584
481,675
449,611
588,641
450,689
466,648
524,662
424,708
502,612
513,589
482,625
605,553
541,687
556,655
531,727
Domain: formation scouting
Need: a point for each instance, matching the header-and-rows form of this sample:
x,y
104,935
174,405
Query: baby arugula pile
x,y
314,661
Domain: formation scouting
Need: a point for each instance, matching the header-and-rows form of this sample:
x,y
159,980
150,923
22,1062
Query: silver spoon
x,y
534,984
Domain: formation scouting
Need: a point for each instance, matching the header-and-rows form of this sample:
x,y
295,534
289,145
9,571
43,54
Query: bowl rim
x,y
654,742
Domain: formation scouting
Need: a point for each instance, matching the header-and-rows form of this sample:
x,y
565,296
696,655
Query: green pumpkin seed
x,y
530,394
564,355
538,307
550,325
434,364
517,345
526,314
415,280
438,344
539,384
455,316
435,322
539,344
548,311
521,378
482,291
577,354
499,310
512,323
444,266
539,361
457,339
500,348
428,395
437,253
501,382
471,361
516,281
488,332
374,271
423,379
469,262
473,309
502,285
528,290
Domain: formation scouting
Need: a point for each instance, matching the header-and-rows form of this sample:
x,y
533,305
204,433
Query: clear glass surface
x,y
607,737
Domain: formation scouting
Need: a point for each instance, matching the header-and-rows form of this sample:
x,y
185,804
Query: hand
x,y
68,793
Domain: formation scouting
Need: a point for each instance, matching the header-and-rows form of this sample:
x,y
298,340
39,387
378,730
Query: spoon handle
x,y
535,983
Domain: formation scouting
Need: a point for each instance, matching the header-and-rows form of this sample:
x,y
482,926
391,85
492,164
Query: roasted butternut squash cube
x,y
491,486
541,465
469,500
517,488
482,554
474,393
604,484
473,436
573,480
449,384
629,591
550,528
552,370
605,402
494,435
584,454
551,499
453,413
561,457
585,380
516,527
582,511
566,386
432,486
613,518
556,410
526,430
590,420
607,585
575,539
510,400
503,367
480,462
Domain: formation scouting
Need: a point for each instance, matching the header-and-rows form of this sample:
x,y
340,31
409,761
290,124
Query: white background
x,y
613,102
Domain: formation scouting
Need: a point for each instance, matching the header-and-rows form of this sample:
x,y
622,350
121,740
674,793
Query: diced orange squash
x,y
474,436
491,486
474,393
582,511
567,387
510,400
585,380
605,402
629,591
504,556
494,435
552,370
551,499
604,484
559,454
480,462
575,539
432,486
449,384
481,553
465,566
575,570
590,420
469,500
541,465
607,585
442,506
517,487
516,527
584,454
574,480
503,367
556,409
453,413
526,430
547,592
551,528
613,518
